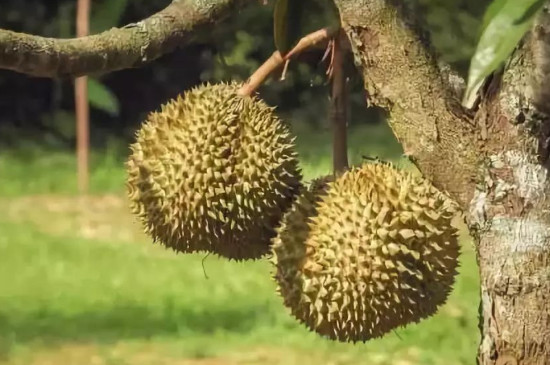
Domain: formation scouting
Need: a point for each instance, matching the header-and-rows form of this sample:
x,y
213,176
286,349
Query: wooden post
x,y
81,104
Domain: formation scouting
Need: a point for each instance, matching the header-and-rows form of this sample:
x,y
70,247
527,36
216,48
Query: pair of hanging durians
x,y
354,256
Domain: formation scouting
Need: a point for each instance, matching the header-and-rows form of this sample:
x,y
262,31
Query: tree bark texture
x,y
492,160
118,48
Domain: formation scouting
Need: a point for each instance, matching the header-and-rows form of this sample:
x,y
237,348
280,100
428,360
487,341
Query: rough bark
x,y
493,163
510,215
401,74
115,49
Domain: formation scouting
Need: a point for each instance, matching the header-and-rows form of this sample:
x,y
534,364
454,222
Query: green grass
x,y
33,170
65,289
135,303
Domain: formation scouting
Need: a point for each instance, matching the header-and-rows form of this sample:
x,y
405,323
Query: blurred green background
x,y
80,284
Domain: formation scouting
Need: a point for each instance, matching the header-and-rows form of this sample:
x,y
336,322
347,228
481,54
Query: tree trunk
x,y
492,160
509,217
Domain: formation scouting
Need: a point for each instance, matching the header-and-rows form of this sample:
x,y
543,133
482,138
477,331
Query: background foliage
x,y
41,110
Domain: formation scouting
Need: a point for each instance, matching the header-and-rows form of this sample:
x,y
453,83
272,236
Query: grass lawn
x,y
81,285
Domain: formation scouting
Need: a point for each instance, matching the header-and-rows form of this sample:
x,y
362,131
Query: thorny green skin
x,y
213,171
491,160
372,251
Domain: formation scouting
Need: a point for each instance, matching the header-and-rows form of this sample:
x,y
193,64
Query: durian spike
x,y
213,171
350,269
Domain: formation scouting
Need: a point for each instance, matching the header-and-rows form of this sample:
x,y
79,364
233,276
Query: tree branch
x,y
401,75
115,49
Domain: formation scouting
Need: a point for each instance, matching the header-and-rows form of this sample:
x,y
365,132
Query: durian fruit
x,y
370,252
213,171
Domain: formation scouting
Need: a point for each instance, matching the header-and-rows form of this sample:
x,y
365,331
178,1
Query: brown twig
x,y
285,69
327,52
81,103
339,100
277,60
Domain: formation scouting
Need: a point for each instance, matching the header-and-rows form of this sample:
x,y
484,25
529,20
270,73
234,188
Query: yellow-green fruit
x,y
372,251
213,171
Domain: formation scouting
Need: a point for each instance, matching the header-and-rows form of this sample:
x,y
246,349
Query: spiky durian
x,y
213,171
372,251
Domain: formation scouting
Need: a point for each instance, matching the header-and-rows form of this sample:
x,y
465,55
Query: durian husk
x,y
368,253
213,171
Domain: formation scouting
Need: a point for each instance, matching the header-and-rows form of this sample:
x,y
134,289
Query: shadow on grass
x,y
50,327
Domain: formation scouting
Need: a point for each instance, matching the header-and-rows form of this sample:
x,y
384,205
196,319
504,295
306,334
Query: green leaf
x,y
508,22
106,15
492,10
287,22
101,97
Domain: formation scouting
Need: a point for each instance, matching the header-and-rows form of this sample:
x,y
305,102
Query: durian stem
x,y
277,59
339,101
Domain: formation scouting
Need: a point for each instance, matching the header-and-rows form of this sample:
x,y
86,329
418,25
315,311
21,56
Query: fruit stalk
x,y
277,60
339,103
